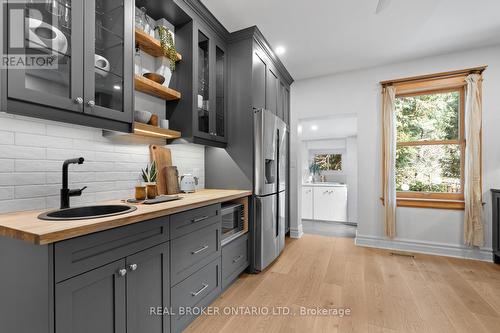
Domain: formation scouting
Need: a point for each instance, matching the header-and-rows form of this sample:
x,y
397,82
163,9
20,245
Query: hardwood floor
x,y
385,293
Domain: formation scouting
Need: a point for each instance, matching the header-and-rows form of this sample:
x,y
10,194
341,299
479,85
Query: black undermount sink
x,y
87,212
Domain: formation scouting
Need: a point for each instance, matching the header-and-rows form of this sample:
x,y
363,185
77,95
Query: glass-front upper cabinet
x,y
71,55
203,98
220,92
211,88
109,59
45,39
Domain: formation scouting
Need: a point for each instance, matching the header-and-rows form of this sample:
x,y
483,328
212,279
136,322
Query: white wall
x,y
436,231
32,152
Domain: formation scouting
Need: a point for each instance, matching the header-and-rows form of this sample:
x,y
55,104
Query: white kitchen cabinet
x,y
330,203
307,202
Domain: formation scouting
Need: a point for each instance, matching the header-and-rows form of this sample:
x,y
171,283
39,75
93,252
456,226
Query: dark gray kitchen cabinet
x,y
259,72
118,296
92,302
90,82
202,76
148,285
272,83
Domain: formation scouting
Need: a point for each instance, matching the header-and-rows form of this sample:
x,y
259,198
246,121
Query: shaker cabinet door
x,y
148,285
108,62
272,91
54,37
307,203
259,80
92,302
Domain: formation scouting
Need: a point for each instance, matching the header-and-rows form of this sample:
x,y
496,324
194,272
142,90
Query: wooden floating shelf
x,y
149,44
155,89
154,131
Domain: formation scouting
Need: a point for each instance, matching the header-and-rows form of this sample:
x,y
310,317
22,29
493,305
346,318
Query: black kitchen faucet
x,y
65,192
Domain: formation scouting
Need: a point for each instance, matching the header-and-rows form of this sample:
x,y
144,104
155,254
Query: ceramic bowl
x,y
142,116
155,77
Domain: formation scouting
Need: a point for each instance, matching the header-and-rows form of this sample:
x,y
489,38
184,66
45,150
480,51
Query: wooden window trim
x,y
434,83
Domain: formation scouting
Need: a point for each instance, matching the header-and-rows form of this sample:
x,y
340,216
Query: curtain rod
x,y
474,70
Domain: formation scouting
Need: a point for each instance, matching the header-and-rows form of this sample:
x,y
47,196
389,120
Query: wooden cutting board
x,y
163,158
172,179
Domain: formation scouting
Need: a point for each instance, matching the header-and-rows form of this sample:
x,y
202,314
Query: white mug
x,y
164,123
102,65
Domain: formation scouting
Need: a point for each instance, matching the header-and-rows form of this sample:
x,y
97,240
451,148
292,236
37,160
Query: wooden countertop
x,y
26,225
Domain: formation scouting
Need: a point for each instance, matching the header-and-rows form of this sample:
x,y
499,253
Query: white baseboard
x,y
296,232
441,249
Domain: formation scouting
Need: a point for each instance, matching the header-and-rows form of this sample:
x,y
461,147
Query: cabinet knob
x,y
133,267
91,104
79,100
122,272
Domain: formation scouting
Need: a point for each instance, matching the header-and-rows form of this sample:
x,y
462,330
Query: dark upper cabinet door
x,y
220,85
108,62
272,91
286,105
281,101
148,285
51,30
203,85
93,301
259,80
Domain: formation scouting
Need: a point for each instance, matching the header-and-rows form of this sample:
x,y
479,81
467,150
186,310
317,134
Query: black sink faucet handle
x,y
66,193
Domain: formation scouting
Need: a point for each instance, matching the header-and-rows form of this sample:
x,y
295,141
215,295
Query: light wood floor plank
x,y
386,293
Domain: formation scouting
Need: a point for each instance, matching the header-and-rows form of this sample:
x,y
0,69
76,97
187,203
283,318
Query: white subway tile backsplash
x,y
6,193
34,191
68,131
7,206
6,138
6,165
19,152
34,140
37,165
8,123
32,152
17,179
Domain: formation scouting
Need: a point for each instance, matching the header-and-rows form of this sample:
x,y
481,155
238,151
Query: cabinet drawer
x,y
191,252
78,255
196,291
234,259
187,222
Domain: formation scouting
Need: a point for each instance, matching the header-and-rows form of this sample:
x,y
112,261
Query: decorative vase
x,y
162,67
151,190
140,192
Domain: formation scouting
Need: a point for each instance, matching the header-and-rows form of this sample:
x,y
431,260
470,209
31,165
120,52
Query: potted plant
x,y
149,177
315,170
166,65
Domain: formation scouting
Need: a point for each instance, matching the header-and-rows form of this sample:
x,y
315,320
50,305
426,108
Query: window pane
x,y
428,117
329,161
434,168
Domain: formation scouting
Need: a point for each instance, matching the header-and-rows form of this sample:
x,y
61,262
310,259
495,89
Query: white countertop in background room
x,y
325,184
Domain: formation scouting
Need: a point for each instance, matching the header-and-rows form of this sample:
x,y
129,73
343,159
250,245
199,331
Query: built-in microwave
x,y
232,221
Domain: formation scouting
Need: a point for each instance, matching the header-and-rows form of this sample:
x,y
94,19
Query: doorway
x,y
329,175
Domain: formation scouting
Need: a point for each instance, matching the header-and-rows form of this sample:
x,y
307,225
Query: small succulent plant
x,y
149,174
167,45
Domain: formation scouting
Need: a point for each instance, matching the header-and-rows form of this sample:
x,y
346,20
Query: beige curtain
x,y
473,224
389,146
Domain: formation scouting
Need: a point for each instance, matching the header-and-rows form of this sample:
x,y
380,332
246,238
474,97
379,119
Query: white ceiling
x,y
330,36
335,127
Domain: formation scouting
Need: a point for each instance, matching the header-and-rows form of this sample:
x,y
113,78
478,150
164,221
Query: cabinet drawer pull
x,y
201,249
238,258
196,293
203,218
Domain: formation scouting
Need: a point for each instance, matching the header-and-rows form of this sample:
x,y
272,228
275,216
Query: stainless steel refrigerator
x,y
270,171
